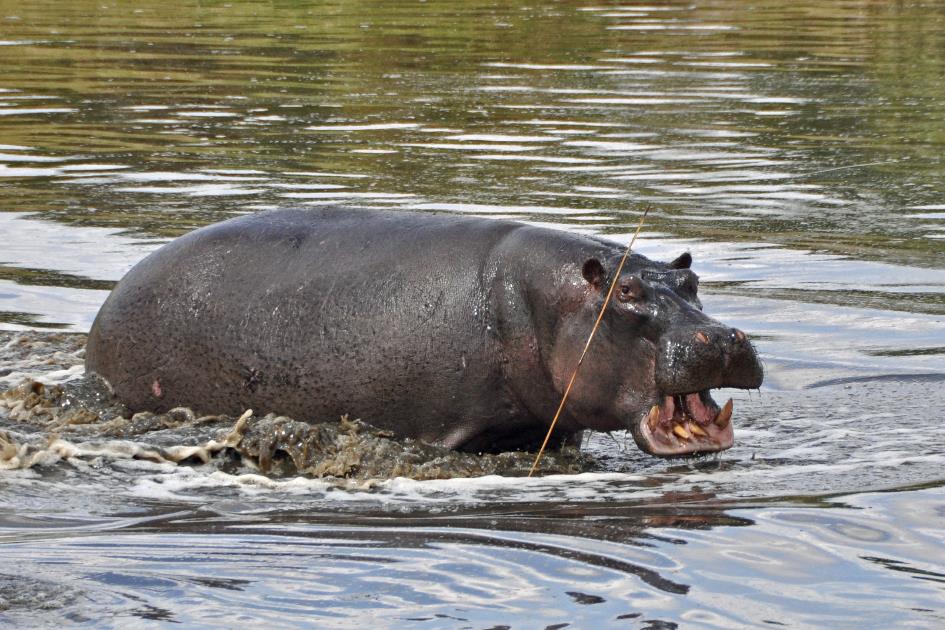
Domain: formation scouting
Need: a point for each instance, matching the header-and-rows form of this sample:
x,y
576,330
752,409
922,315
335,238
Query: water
x,y
796,149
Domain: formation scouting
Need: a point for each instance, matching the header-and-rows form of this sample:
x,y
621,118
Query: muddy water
x,y
794,148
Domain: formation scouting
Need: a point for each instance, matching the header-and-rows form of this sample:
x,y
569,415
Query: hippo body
x,y
460,331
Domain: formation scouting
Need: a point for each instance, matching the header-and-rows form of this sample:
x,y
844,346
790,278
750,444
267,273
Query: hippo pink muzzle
x,y
686,424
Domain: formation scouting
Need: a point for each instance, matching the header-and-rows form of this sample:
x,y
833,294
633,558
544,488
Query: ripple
x,y
32,111
203,190
512,148
364,127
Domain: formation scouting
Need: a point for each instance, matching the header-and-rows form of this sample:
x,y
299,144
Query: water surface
x,y
796,149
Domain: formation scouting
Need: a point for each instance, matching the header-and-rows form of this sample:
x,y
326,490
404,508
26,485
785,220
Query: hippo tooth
x,y
695,428
725,415
680,430
653,418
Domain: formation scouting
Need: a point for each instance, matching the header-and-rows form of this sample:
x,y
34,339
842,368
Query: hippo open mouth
x,y
682,424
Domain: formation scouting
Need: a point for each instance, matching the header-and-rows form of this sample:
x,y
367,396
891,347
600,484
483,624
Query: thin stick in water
x,y
587,345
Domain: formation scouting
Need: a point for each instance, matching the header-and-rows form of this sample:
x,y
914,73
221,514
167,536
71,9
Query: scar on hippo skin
x,y
455,330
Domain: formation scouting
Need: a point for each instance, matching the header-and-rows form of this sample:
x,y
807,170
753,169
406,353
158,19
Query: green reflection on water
x,y
759,119
44,277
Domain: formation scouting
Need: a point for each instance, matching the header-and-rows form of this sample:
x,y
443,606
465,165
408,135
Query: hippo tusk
x,y
697,430
653,418
724,416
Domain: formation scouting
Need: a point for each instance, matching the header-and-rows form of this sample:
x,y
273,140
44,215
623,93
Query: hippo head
x,y
655,359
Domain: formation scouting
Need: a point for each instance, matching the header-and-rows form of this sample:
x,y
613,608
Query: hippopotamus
x,y
457,330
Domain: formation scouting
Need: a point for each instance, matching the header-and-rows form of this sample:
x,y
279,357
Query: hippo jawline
x,y
685,424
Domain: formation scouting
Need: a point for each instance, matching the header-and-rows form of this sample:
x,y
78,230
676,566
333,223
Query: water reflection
x,y
733,139
740,540
814,107
844,562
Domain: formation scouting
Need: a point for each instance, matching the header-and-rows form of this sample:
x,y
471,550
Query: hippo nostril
x,y
737,336
701,337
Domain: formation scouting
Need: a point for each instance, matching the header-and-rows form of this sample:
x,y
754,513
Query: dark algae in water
x,y
353,449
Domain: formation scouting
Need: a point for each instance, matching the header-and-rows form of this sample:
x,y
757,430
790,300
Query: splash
x,y
43,422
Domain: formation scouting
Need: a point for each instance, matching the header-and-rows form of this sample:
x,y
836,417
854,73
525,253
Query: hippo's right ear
x,y
593,272
682,262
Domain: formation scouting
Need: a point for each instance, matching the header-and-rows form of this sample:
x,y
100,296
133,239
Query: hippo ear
x,y
683,262
593,272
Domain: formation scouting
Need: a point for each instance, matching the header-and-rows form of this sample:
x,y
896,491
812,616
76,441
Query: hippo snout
x,y
706,357
691,361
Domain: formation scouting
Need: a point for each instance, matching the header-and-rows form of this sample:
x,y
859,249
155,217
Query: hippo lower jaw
x,y
685,424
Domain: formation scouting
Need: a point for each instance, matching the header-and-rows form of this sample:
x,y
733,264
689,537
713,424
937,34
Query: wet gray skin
x,y
458,331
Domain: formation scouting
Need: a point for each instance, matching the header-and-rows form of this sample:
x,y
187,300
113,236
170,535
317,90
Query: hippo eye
x,y
632,289
628,293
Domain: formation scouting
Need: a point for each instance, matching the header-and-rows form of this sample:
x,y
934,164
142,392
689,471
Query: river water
x,y
797,149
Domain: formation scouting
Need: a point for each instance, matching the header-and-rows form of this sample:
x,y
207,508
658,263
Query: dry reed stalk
x,y
587,345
